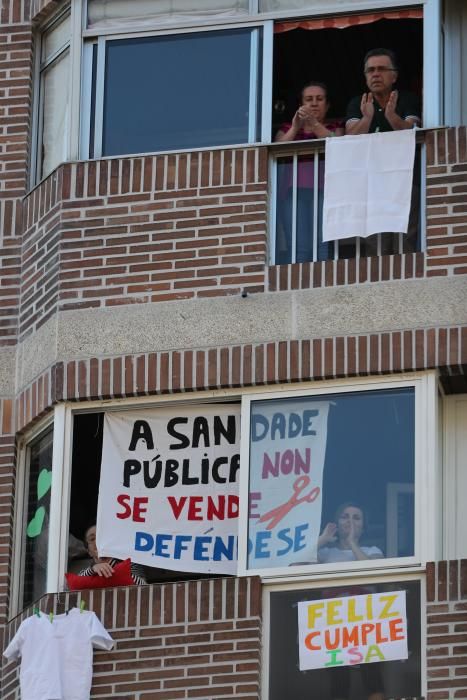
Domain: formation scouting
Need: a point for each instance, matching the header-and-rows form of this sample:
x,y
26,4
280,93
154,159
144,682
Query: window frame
x,y
426,531
20,510
396,577
257,101
40,69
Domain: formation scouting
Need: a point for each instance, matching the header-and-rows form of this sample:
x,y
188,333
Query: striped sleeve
x,y
138,574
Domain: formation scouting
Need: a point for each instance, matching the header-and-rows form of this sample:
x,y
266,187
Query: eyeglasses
x,y
378,69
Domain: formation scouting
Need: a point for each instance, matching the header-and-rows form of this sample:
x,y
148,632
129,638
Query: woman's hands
x,y
328,536
103,568
304,116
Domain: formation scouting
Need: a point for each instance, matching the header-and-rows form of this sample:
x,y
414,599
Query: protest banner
x,y
352,630
168,492
287,452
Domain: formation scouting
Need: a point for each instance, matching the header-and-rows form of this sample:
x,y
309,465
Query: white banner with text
x,y
168,492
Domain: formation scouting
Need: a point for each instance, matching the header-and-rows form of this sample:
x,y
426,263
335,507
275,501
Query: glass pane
x,y
56,37
55,109
37,526
369,676
112,12
182,91
331,479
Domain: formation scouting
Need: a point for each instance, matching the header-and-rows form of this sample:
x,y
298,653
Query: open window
x,y
162,485
331,51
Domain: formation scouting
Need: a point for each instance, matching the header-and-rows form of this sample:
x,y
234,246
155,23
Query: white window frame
x,y
40,68
20,518
74,10
396,577
256,101
454,475
427,496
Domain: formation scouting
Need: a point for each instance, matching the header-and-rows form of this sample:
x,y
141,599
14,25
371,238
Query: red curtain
x,y
344,21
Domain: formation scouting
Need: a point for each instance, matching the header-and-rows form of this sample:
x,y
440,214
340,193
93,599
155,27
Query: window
x,y
353,667
35,534
177,91
335,48
332,480
54,96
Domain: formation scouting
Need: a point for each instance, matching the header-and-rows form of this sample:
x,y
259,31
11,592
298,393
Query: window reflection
x,y
332,478
179,91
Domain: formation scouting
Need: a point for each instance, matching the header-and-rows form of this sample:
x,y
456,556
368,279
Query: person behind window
x,y
103,566
309,122
382,108
340,540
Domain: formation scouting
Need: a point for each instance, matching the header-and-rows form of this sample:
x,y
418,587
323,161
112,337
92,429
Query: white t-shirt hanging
x,y
56,657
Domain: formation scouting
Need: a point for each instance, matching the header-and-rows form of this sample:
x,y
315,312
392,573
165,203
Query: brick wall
x,y
447,630
139,230
15,102
446,224
248,365
197,639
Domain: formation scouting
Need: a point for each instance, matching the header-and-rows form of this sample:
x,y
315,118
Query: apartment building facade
x,y
144,276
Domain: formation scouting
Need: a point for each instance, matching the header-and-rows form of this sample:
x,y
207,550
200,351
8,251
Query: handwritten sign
x,y
287,451
352,630
168,492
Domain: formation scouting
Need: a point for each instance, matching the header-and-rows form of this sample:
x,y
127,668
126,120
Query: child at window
x,y
104,566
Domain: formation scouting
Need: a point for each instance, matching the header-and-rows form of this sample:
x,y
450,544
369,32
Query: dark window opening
x,y
86,466
335,57
389,679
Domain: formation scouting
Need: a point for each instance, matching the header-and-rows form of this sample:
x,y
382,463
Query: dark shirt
x,y
407,106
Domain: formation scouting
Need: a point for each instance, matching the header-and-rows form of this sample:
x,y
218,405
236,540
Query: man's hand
x,y
103,569
367,106
390,111
362,125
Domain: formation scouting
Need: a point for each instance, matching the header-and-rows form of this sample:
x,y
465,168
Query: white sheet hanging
x,y
368,184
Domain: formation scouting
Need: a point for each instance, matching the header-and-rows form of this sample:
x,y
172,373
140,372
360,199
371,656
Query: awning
x,y
345,21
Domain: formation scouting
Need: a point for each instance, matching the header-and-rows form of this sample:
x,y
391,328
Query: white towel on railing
x,y
368,184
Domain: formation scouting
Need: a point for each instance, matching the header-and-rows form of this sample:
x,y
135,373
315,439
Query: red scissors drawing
x,y
276,514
